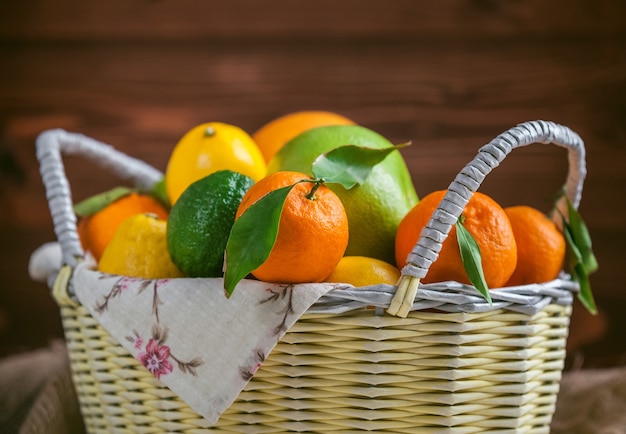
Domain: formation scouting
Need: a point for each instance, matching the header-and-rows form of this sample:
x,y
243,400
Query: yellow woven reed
x,y
494,372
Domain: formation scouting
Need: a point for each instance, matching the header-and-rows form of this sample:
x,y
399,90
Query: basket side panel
x,y
82,375
496,372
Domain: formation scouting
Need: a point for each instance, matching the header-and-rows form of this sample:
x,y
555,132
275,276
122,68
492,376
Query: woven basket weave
x,y
445,362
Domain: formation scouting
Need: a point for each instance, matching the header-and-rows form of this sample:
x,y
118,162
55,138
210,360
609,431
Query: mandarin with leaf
x,y
487,223
312,234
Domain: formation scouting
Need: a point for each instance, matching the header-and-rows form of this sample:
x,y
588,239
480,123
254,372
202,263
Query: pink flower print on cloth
x,y
156,358
121,284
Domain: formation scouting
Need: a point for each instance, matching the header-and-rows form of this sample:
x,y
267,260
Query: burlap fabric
x,y
37,395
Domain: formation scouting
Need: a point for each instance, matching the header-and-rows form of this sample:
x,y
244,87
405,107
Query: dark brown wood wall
x,y
446,75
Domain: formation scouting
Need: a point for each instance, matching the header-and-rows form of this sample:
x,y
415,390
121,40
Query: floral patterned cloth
x,y
202,345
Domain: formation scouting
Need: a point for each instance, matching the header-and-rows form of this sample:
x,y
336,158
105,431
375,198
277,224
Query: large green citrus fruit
x,y
200,222
375,208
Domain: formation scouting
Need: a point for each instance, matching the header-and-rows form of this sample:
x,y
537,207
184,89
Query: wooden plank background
x,y
446,75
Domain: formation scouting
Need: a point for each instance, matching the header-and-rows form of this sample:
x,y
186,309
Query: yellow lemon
x,y
139,249
207,148
364,271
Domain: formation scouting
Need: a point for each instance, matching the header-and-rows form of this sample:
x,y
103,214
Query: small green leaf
x,y
472,261
97,202
350,164
579,270
585,295
575,256
581,238
252,237
159,193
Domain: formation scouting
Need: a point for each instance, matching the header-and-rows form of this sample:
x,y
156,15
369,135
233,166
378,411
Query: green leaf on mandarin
x,y
253,236
470,254
159,192
99,201
349,165
578,269
581,238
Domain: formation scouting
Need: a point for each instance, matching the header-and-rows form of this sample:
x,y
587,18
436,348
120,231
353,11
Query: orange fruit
x,y
96,231
540,246
312,234
273,135
484,218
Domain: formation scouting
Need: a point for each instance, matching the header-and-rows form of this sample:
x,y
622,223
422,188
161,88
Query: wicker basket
x,y
445,362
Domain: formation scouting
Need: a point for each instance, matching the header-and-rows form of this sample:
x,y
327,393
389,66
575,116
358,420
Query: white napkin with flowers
x,y
203,346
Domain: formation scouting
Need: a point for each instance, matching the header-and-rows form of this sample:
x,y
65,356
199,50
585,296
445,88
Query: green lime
x,y
200,221
374,208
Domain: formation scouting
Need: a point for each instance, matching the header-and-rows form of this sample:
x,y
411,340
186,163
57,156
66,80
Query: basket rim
x,y
448,297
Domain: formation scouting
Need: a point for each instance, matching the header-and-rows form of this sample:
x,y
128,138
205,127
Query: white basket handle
x,y
50,146
466,184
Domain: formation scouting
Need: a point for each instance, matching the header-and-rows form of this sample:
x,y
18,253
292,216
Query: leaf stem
x,y
316,184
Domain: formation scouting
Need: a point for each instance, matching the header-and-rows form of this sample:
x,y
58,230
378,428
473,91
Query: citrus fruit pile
x,y
310,196
518,245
